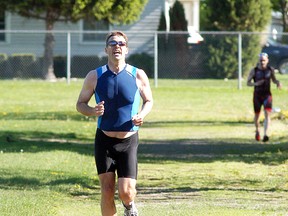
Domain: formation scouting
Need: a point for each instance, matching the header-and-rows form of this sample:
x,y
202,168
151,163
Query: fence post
x,y
68,72
156,59
239,60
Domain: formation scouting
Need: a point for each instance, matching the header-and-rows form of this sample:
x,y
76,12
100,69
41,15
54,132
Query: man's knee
x,y
127,191
108,190
107,182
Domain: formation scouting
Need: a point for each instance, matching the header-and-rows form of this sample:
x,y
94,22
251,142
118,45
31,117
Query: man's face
x,y
263,60
116,48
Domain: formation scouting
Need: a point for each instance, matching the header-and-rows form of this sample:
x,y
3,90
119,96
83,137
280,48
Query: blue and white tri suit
x,y
121,96
122,99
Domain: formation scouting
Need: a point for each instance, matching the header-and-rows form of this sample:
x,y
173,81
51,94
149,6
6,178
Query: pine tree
x,y
234,15
178,21
173,49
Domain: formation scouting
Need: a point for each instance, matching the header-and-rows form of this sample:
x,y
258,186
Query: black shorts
x,y
113,154
259,100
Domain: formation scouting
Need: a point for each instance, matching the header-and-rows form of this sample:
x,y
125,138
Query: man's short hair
x,y
263,54
117,33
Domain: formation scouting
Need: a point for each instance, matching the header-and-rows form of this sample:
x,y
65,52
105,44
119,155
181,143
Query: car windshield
x,y
275,43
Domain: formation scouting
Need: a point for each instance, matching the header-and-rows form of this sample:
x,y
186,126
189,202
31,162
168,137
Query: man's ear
x,y
105,50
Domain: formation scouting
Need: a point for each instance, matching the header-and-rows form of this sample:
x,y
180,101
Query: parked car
x,y
278,55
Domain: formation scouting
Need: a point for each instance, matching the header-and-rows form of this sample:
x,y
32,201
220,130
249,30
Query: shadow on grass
x,y
210,150
193,123
34,146
62,116
72,185
75,116
151,151
190,192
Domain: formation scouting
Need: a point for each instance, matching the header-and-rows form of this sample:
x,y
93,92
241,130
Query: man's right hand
x,y
260,82
99,108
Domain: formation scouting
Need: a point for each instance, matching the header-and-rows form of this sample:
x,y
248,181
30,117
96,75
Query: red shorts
x,y
259,100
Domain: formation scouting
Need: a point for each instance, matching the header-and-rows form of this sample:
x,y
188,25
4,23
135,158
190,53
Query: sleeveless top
x,y
260,75
121,96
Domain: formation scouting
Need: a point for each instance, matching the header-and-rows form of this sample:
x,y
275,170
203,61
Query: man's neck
x,y
116,67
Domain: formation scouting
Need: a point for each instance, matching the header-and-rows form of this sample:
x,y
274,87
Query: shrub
x,y
60,65
143,61
3,64
81,65
21,65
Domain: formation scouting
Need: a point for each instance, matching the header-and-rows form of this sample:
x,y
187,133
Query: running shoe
x,y
257,136
131,210
265,138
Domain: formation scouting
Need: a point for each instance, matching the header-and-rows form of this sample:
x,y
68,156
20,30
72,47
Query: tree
x,y
162,23
52,11
178,21
282,6
234,15
174,44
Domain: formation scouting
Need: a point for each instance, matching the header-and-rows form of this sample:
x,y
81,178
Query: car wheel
x,y
283,66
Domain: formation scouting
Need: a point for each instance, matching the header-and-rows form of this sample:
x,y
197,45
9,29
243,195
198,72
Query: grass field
x,y
197,154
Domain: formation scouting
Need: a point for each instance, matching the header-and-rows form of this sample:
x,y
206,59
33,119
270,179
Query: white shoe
x,y
131,210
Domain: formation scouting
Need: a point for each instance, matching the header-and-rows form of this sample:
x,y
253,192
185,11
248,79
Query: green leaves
x,y
126,11
115,11
235,15
238,15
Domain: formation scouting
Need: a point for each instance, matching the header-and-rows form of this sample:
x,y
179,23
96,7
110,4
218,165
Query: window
x,y
2,25
93,25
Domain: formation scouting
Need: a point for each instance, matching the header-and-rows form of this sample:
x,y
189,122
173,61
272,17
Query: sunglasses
x,y
114,43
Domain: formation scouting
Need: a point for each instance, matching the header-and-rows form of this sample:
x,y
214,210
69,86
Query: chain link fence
x,y
162,55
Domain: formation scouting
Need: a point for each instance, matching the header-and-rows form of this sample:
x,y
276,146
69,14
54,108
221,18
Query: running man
x,y
118,88
262,75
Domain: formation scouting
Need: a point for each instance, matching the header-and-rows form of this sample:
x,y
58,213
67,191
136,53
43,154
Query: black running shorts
x,y
259,100
113,154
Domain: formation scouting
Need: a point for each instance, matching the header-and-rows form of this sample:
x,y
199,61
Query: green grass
x,y
197,154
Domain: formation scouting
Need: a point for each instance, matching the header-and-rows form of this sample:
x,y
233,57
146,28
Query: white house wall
x,y
33,42
192,11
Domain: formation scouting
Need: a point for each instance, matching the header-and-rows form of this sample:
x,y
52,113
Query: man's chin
x,y
118,57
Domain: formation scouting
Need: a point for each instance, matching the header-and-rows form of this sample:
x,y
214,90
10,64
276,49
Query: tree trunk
x,y
48,66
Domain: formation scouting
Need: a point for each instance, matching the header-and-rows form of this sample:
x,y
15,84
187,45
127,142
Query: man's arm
x,y
85,95
274,80
146,94
250,78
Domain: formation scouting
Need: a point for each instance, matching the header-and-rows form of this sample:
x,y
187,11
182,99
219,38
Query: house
x,y
22,35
